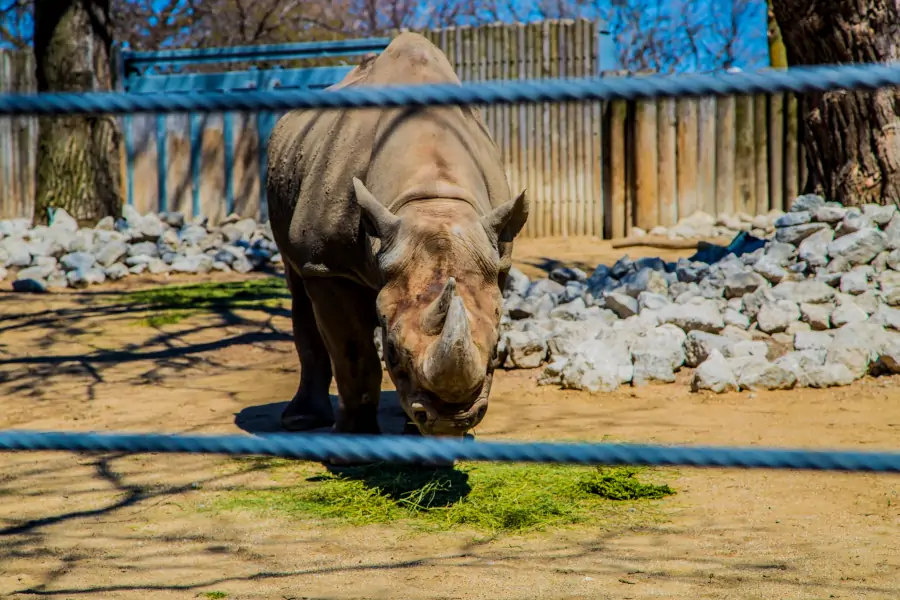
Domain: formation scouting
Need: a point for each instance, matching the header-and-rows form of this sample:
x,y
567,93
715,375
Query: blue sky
x,y
751,49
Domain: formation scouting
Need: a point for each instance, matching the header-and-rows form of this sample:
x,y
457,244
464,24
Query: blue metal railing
x,y
139,78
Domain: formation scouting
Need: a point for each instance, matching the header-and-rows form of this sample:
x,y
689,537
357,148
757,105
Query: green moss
x,y
214,595
484,496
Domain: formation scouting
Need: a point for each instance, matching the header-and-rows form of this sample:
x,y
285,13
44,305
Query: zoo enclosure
x,y
591,168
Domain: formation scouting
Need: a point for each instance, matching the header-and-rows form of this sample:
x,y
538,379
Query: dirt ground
x,y
109,526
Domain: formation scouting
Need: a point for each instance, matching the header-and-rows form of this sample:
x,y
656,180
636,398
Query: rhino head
x,y
442,266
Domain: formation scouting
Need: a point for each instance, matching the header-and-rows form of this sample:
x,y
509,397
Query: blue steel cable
x,y
407,449
820,78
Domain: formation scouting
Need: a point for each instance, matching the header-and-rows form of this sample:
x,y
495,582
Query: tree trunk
x,y
852,139
777,54
78,156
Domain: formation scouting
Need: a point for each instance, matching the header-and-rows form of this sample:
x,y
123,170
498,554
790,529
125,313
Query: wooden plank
x,y
776,151
457,51
505,57
516,127
561,178
146,190
551,129
646,175
744,158
616,158
528,47
791,151
802,165
725,147
541,138
582,132
576,136
667,187
594,153
248,174
760,137
688,130
6,148
706,149
178,163
212,186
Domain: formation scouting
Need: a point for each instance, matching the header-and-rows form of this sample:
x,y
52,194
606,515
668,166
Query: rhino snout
x,y
432,421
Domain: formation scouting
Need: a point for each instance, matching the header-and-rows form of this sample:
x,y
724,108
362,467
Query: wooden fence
x,y
18,139
590,168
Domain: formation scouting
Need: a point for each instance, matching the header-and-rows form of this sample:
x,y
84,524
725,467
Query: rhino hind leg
x,y
345,313
311,405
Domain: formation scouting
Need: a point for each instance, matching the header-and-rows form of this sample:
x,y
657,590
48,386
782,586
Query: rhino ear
x,y
507,220
378,221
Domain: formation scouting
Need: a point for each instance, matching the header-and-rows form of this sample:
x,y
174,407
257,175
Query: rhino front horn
x,y
451,363
436,313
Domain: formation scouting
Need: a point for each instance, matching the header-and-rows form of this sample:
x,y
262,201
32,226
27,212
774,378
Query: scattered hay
x,y
484,496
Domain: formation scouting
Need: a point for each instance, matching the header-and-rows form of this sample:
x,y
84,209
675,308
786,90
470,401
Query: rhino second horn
x,y
436,313
451,363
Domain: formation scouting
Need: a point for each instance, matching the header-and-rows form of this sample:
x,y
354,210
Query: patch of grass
x,y
172,304
622,484
169,317
214,595
484,496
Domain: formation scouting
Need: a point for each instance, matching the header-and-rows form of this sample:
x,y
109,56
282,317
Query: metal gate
x,y
138,75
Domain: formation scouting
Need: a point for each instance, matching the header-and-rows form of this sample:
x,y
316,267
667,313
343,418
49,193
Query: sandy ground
x,y
109,526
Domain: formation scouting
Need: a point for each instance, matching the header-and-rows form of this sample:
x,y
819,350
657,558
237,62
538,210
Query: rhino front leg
x,y
345,313
311,405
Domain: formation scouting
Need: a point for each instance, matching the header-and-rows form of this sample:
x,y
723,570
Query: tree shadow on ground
x,y
266,418
426,485
74,334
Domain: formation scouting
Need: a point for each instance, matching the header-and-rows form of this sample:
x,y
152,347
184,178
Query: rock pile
x,y
704,225
817,306
63,255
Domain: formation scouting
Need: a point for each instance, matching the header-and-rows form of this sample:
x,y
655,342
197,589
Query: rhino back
x,y
314,154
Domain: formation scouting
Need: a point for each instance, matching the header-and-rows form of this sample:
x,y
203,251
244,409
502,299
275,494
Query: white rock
x,y
854,282
714,374
848,312
651,301
525,349
813,340
859,247
800,363
756,373
699,314
814,249
657,354
776,316
598,366
622,304
698,346
818,316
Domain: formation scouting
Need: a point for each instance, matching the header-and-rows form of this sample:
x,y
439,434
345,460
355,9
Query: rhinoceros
x,y
398,218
